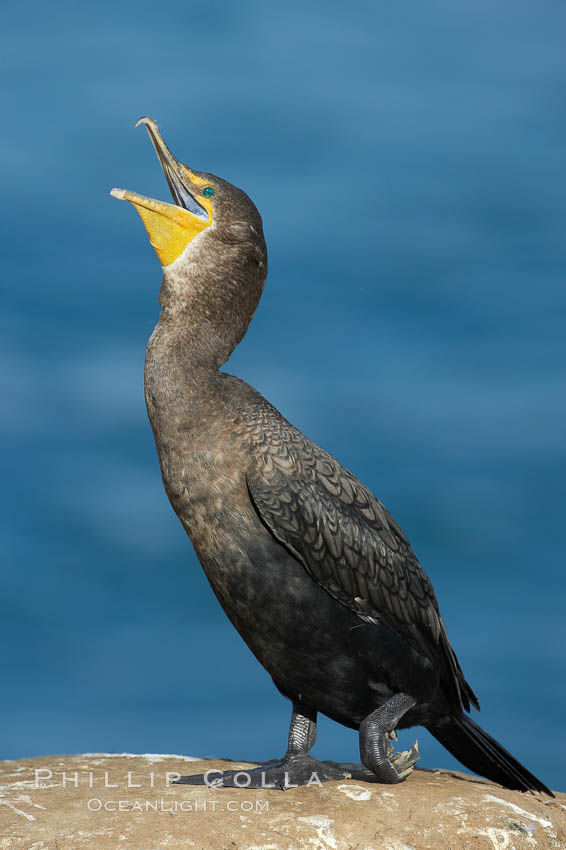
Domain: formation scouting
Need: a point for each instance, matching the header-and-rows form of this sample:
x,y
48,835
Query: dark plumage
x,y
309,566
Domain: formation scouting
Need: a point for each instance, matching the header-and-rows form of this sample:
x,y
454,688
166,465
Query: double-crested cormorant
x,y
309,566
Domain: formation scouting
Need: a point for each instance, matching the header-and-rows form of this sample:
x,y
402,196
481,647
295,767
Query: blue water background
x,y
408,161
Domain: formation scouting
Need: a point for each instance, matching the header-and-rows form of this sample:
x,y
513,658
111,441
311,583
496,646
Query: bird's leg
x,y
302,731
296,767
376,748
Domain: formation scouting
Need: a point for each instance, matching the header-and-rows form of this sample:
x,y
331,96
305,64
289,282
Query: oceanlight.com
x,y
170,806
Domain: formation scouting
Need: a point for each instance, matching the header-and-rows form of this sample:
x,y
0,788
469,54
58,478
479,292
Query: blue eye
x,y
208,192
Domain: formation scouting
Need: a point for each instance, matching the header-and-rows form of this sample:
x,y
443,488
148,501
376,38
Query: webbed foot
x,y
289,772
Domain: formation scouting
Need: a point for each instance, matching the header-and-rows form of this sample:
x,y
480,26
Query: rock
x,y
110,801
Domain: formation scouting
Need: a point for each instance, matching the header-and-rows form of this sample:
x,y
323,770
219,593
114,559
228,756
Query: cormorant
x,y
311,569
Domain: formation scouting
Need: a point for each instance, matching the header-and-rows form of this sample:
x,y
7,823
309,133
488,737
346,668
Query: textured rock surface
x,y
113,801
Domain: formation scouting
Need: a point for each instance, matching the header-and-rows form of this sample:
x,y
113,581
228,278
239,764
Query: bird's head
x,y
209,241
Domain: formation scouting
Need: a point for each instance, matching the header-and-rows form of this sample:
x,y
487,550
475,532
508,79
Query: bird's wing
x,y
350,545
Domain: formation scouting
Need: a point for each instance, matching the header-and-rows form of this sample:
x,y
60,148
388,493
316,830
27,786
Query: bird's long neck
x,y
179,357
192,345
182,378
207,305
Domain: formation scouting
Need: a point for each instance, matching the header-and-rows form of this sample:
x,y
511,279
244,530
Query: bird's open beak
x,y
170,227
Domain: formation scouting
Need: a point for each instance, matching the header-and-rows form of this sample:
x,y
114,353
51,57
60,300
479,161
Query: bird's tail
x,y
484,755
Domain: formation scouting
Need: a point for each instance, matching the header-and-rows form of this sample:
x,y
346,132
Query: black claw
x,y
376,749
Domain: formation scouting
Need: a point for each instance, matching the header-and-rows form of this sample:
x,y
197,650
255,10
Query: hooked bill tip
x,y
145,119
118,193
